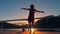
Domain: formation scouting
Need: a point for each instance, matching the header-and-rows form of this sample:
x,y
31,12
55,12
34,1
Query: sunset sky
x,y
11,9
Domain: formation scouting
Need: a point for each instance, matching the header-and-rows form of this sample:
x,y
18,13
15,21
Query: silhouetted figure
x,y
32,11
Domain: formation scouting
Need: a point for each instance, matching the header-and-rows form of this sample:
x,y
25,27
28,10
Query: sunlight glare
x,y
35,20
32,31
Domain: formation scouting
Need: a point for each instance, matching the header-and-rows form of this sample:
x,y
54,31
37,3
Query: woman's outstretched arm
x,y
25,8
39,11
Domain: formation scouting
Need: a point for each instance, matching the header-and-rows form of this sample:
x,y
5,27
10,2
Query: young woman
x,y
32,11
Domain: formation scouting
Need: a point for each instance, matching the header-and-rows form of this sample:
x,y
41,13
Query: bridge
x,y
18,20
5,21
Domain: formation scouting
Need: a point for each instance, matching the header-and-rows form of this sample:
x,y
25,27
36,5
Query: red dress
x,y
31,15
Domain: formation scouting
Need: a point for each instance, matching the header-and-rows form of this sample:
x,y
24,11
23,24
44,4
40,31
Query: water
x,y
33,31
39,29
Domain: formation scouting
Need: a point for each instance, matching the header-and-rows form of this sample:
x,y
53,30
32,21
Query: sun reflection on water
x,y
32,31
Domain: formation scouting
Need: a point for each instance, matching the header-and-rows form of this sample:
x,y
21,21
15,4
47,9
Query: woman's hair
x,y
31,6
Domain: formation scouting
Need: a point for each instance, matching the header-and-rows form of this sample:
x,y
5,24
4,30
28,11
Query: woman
x,y
32,11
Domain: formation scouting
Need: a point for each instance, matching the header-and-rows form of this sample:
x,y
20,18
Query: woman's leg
x,y
29,25
33,23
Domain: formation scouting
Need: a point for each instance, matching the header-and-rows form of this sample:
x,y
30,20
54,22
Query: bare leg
x,y
29,28
29,25
32,23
